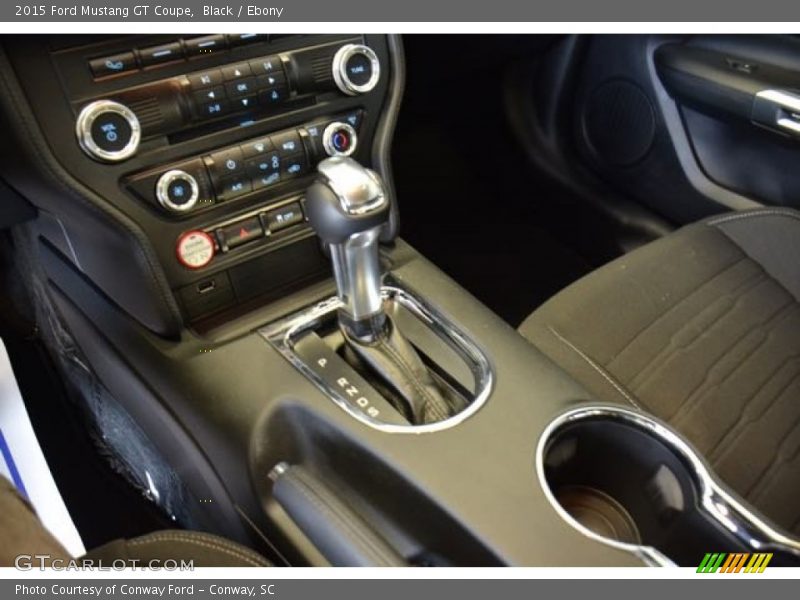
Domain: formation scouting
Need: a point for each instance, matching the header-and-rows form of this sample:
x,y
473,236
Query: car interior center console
x,y
217,229
206,144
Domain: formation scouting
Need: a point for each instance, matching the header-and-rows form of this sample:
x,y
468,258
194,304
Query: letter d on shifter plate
x,y
334,373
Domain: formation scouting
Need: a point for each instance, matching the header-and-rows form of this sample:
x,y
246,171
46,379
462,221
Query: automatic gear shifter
x,y
347,207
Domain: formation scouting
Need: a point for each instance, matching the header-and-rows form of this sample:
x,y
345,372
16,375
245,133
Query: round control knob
x,y
356,69
108,131
177,191
339,139
195,249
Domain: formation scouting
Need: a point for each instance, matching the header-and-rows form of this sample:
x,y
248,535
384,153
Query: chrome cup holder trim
x,y
282,333
719,504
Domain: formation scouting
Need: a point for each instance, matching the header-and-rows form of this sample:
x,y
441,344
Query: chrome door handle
x,y
778,110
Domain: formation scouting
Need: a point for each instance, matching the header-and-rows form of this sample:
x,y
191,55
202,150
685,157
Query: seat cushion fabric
x,y
701,329
21,531
202,549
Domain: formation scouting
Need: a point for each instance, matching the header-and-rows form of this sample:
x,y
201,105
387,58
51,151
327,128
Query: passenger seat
x,y
701,329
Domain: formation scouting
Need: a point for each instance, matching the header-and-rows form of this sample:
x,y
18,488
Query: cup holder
x,y
598,512
628,480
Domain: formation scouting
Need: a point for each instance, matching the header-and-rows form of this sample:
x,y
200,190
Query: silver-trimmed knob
x,y
117,116
359,78
165,193
339,139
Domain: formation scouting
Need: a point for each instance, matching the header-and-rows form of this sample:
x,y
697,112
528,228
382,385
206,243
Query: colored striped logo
x,y
742,562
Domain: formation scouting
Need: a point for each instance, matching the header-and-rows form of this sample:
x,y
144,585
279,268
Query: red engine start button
x,y
195,249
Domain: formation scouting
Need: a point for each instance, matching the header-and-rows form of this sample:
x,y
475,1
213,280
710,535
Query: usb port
x,y
206,286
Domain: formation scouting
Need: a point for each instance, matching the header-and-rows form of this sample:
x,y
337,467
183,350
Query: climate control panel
x,y
254,166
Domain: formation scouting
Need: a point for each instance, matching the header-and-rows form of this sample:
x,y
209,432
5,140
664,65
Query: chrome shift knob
x,y
347,206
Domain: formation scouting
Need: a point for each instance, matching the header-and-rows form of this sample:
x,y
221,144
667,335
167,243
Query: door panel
x,y
742,158
738,99
680,124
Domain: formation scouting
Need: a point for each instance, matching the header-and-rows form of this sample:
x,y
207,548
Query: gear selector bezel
x,y
286,334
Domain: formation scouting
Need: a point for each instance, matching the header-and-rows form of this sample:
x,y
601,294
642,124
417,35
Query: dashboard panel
x,y
205,144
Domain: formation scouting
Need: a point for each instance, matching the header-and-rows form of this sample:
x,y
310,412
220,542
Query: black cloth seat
x,y
23,534
701,329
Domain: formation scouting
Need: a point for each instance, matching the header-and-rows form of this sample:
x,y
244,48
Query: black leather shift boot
x,y
411,387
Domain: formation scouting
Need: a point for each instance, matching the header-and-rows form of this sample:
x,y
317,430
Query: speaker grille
x,y
619,123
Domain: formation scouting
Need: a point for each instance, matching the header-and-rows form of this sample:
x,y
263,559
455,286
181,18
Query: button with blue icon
x,y
111,131
179,191
293,166
107,66
235,186
227,162
241,87
287,142
264,165
273,96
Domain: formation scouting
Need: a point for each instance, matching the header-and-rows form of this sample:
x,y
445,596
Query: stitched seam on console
x,y
720,449
162,537
773,212
776,315
669,348
204,539
678,303
342,516
331,509
617,386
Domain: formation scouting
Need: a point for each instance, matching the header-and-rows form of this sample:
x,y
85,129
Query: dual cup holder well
x,y
628,480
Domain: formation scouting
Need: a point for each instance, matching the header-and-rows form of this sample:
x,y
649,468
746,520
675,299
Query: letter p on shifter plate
x,y
353,392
